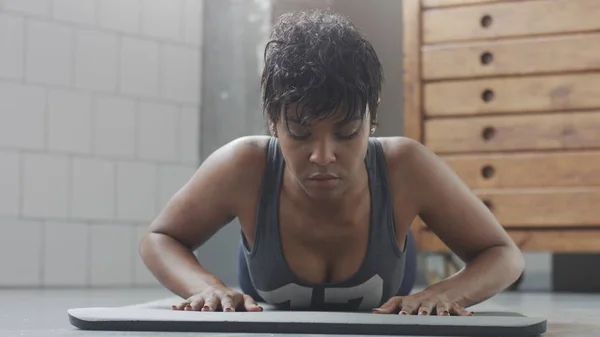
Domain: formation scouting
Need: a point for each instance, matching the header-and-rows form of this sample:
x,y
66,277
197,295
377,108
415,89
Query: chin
x,y
324,189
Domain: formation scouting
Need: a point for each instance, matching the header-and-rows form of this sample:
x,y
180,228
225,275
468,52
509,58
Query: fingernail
x,y
228,309
403,312
206,308
423,313
376,310
445,313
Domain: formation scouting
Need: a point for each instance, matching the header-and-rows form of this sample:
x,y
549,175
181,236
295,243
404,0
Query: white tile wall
x,y
137,189
158,119
77,11
45,185
192,21
99,127
112,254
114,123
11,46
96,60
189,136
121,15
40,8
162,18
65,258
49,55
22,237
22,116
10,180
93,189
139,67
181,78
69,121
172,179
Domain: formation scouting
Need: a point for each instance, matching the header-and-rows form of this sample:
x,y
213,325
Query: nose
x,y
323,152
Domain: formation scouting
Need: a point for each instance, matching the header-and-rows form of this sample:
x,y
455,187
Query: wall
x,y
380,22
99,126
236,32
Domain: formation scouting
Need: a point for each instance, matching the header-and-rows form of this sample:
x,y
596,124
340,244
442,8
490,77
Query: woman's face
x,y
326,156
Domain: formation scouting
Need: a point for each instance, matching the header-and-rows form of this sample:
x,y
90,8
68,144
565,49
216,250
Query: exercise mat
x,y
154,316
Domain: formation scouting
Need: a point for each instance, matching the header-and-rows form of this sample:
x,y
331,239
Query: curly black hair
x,y
318,60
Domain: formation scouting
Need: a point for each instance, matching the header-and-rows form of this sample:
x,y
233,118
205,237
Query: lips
x,y
323,176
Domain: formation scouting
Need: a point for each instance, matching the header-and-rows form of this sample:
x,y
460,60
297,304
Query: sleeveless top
x,y
378,278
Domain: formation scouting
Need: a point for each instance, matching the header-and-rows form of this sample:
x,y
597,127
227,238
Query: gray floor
x,y
43,312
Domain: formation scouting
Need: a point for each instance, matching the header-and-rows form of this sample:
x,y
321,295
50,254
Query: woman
x,y
325,209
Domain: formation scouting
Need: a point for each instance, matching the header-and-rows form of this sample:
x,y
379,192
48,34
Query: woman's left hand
x,y
422,303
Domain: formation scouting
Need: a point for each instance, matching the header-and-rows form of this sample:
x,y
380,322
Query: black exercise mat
x,y
158,318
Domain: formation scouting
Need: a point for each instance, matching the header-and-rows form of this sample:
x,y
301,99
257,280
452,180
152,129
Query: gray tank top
x,y
379,276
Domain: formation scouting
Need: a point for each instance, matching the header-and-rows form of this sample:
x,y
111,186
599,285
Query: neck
x,y
340,205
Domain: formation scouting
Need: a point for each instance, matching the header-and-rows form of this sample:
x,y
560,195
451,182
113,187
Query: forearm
x,y
175,266
485,276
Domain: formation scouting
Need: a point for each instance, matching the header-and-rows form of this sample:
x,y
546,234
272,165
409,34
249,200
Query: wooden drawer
x,y
558,241
513,133
544,208
447,3
557,169
510,19
512,95
512,57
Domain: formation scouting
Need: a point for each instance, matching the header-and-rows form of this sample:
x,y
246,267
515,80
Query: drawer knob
x,y
488,133
487,171
486,58
487,95
488,204
486,21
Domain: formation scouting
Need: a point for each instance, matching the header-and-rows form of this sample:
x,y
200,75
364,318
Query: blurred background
x,y
107,107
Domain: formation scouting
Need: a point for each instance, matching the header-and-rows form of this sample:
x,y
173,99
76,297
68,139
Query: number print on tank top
x,y
299,297
369,292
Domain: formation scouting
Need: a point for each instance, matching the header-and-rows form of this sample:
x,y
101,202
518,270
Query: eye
x,y
349,131
298,132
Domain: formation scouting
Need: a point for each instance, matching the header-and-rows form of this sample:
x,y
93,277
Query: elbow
x,y
144,246
148,246
514,262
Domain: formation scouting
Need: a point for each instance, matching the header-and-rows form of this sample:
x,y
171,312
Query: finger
x,y
391,306
228,303
197,304
250,304
442,309
424,309
211,303
460,311
180,306
408,309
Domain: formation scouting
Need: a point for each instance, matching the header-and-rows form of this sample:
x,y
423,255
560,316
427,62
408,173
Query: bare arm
x,y
210,200
465,225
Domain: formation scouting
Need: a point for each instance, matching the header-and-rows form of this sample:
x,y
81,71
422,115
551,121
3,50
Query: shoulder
x,y
247,149
403,153
242,158
412,169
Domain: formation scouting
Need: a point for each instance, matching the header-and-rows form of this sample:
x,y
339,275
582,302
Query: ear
x,y
378,102
272,128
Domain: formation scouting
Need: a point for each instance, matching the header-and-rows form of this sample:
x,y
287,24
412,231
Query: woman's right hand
x,y
219,299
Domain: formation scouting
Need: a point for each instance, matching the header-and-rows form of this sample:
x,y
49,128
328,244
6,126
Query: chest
x,y
324,248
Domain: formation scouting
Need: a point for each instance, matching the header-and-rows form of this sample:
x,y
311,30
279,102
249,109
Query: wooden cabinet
x,y
507,93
